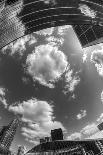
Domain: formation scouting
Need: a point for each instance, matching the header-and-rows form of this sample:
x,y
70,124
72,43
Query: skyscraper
x,y
100,126
7,134
57,134
22,17
89,35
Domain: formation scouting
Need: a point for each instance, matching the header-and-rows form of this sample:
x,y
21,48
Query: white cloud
x,y
45,32
19,46
100,119
53,41
92,130
46,64
34,110
102,96
89,130
4,102
97,59
86,132
87,11
32,40
32,141
71,81
82,114
96,135
63,29
2,97
2,91
40,130
39,115
84,58
75,136
74,83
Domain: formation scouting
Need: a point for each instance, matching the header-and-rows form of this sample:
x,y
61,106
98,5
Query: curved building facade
x,y
7,135
22,17
63,147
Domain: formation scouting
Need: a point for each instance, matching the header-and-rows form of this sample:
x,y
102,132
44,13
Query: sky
x,y
54,83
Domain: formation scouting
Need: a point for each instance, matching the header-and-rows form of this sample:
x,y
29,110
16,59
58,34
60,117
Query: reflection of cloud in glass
x,y
63,29
97,59
87,11
45,32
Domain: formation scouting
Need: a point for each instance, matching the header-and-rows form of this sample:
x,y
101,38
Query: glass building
x,y
6,136
63,147
22,17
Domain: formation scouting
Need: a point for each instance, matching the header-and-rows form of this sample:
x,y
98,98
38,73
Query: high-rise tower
x,y
7,134
57,134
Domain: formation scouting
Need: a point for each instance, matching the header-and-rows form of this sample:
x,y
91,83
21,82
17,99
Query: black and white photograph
x,y
51,77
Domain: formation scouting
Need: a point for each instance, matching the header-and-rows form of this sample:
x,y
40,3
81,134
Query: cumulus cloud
x,y
71,81
63,29
34,110
46,64
39,116
87,11
75,136
97,59
19,46
40,130
45,32
2,97
82,114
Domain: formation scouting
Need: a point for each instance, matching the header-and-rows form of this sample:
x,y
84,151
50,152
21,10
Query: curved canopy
x,y
22,17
